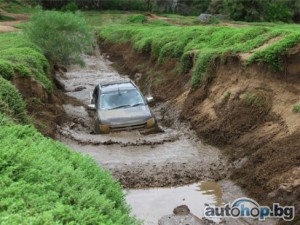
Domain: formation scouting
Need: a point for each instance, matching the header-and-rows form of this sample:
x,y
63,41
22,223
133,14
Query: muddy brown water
x,y
159,171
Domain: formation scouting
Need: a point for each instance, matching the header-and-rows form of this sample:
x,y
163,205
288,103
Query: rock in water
x,y
181,210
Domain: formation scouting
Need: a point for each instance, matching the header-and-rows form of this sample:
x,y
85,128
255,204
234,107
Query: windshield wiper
x,y
121,106
137,104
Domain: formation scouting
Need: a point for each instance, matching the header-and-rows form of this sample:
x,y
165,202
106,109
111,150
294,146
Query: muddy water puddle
x,y
150,205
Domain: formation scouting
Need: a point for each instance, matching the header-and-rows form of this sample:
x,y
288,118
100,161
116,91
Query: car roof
x,y
119,85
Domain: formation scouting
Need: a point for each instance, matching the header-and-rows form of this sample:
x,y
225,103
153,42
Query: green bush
x,y
70,7
62,37
43,182
278,12
137,19
11,102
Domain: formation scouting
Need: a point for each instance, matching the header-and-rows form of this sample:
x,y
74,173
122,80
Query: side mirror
x,y
92,107
149,99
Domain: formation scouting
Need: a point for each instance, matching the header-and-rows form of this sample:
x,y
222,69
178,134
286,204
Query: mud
x,y
174,156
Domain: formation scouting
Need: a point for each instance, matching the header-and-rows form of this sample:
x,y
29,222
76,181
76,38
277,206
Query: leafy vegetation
x,y
62,37
43,182
296,108
19,56
204,42
70,7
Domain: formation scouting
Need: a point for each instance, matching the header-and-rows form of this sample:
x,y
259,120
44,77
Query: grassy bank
x,y
205,43
20,57
43,181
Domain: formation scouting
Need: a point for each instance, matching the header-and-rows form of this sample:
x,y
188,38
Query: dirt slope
x,y
246,111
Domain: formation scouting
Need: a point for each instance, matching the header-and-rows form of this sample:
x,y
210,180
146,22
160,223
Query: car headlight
x,y
150,122
104,129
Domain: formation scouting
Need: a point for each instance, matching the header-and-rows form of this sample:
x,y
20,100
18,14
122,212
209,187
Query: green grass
x,y
205,42
182,20
103,18
44,182
98,19
137,18
18,56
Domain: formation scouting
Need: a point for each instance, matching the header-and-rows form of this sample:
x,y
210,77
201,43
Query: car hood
x,y
124,116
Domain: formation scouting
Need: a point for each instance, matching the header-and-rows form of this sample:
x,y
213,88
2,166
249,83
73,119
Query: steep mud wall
x,y
246,111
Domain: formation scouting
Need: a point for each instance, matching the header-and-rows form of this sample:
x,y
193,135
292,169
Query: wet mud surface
x,y
174,156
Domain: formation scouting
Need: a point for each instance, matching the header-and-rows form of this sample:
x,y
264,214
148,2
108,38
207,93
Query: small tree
x,y
62,37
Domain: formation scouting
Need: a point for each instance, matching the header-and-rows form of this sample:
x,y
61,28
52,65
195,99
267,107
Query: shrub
x,y
296,108
278,12
70,7
11,101
137,19
62,37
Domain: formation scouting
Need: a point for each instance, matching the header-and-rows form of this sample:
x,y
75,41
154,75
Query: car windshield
x,y
121,99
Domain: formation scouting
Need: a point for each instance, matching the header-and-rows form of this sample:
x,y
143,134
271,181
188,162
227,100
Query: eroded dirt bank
x,y
246,111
